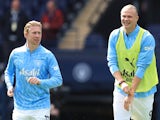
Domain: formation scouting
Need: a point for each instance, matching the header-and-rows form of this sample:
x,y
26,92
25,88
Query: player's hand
x,y
34,80
125,87
10,92
128,101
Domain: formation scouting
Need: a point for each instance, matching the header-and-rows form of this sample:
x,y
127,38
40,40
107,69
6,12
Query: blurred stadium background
x,y
82,46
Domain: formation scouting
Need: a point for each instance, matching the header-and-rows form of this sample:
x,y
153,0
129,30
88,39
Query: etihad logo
x,y
33,72
148,48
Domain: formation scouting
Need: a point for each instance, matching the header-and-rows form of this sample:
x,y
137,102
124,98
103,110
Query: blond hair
x,y
31,23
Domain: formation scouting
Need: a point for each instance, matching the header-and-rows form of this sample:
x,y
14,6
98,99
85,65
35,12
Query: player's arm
x,y
124,86
9,75
55,77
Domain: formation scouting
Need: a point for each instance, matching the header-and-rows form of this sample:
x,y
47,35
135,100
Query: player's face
x,y
34,35
129,19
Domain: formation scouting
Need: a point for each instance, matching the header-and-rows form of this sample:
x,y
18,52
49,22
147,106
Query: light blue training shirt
x,y
144,58
40,63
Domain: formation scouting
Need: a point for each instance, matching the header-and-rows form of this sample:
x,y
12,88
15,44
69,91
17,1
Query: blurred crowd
x,y
14,15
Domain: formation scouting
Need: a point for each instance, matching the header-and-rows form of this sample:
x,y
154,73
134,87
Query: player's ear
x,y
25,34
137,18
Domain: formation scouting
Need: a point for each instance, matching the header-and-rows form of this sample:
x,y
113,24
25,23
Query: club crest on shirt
x,y
55,67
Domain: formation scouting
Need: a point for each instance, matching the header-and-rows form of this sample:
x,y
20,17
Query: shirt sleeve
x,y
55,77
9,72
146,54
111,53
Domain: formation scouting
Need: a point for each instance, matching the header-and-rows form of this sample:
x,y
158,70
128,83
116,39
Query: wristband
x,y
120,83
